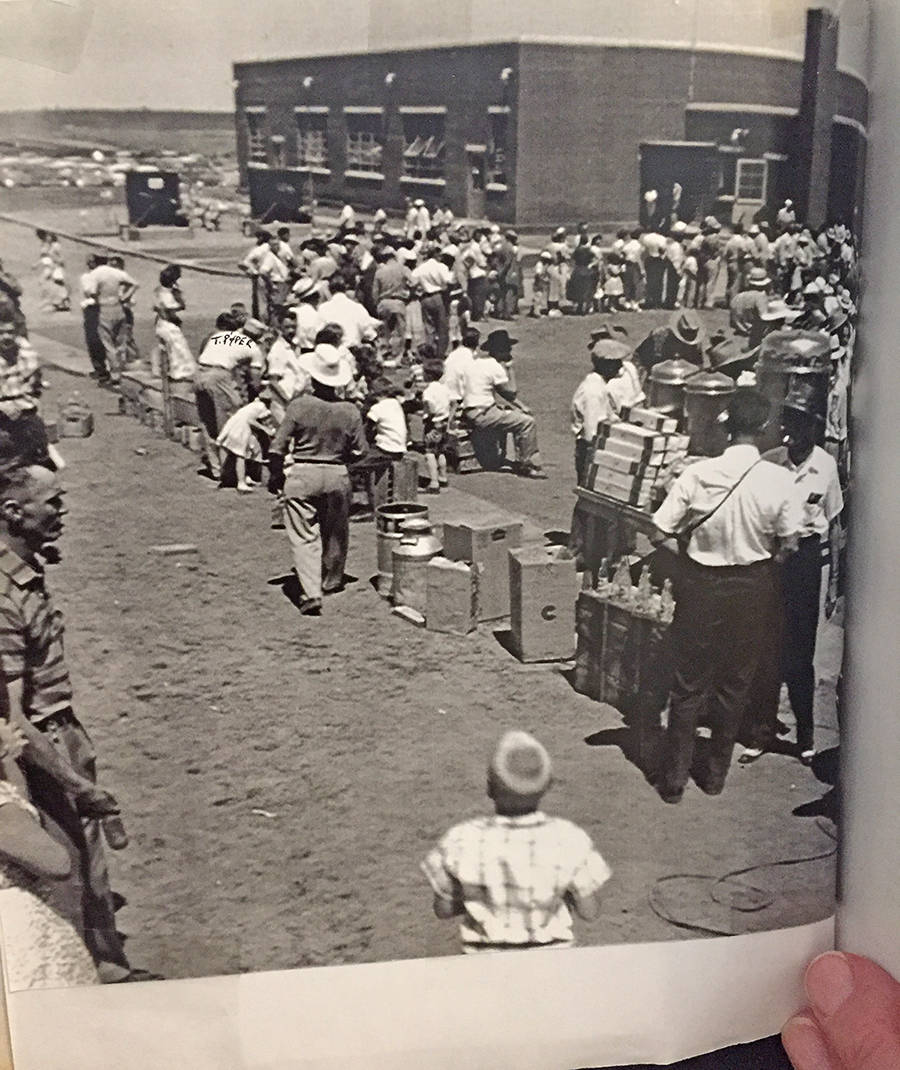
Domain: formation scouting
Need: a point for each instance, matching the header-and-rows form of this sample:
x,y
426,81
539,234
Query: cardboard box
x,y
652,420
451,596
486,542
543,585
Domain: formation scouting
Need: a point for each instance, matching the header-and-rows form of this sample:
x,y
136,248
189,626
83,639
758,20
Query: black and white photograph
x,y
425,477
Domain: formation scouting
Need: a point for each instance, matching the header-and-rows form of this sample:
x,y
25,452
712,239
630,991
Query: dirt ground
x,y
281,777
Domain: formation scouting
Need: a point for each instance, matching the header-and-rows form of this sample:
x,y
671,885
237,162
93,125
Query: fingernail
x,y
829,983
804,1044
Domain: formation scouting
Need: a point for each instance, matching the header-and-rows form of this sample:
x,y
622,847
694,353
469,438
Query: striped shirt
x,y
31,639
513,875
20,380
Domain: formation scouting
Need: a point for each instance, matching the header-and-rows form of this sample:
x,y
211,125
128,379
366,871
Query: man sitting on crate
x,y
730,519
481,382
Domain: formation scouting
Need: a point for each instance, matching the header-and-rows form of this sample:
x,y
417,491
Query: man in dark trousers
x,y
325,435
737,514
59,761
795,627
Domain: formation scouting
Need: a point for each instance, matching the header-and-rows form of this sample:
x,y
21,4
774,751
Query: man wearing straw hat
x,y
515,877
324,434
685,338
750,302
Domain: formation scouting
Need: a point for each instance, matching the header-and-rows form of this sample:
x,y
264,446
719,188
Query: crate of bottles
x,y
623,654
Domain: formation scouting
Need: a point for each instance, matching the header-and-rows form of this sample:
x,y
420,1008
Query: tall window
x,y
365,141
312,138
423,140
498,146
751,180
256,135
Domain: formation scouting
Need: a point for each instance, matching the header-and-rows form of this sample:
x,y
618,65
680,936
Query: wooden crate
x,y
622,658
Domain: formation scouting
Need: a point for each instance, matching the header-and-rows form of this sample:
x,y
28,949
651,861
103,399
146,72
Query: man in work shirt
x,y
221,383
478,384
390,293
738,514
796,622
432,279
59,759
111,289
324,434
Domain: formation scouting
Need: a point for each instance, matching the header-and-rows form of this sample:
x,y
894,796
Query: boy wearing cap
x,y
515,877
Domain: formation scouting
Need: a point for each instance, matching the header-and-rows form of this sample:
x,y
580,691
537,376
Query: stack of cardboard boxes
x,y
630,457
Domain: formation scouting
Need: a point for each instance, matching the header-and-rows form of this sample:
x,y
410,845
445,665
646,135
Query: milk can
x,y
782,355
417,546
666,390
388,521
706,397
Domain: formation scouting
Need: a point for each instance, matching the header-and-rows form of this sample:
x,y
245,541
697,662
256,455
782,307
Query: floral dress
x,y
40,948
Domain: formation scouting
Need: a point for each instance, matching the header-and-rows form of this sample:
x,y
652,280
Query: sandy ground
x,y
282,777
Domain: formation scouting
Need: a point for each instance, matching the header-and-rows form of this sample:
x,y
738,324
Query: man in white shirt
x,y
796,622
110,288
457,361
358,326
593,402
432,280
347,218
481,382
285,374
91,314
306,312
250,266
738,514
275,273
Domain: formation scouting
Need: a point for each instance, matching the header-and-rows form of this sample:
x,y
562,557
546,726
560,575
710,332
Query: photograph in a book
x,y
424,480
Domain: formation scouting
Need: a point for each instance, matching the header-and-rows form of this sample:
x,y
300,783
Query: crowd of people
x,y
346,338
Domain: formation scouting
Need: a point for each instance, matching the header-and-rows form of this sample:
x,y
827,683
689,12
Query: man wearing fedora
x,y
324,434
480,383
750,302
684,338
794,629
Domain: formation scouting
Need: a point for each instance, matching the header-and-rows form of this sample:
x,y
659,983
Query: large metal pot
x,y
666,390
706,397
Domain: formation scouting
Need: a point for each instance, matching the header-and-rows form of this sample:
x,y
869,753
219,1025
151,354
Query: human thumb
x,y
853,1021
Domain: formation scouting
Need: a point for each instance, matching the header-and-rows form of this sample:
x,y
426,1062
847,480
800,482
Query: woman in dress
x,y
41,949
168,304
582,281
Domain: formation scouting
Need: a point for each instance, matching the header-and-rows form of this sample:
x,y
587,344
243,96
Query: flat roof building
x,y
733,105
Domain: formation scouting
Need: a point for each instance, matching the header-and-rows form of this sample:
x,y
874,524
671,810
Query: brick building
x,y
551,127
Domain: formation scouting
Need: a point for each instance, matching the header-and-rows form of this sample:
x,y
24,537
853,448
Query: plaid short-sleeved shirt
x,y
31,639
512,875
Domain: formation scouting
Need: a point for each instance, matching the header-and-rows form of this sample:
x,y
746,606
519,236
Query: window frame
x,y
748,162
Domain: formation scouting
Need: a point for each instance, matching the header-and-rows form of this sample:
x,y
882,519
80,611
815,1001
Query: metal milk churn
x,y
782,355
416,547
666,389
389,519
706,397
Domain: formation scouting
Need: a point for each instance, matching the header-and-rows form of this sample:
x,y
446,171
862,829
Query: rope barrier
x,y
185,265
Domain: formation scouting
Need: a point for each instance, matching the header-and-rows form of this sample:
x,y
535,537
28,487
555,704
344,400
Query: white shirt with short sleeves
x,y
390,425
592,403
742,531
457,360
478,380
432,277
512,876
818,484
436,400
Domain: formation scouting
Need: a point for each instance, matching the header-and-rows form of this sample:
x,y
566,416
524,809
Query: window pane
x,y
423,152
365,142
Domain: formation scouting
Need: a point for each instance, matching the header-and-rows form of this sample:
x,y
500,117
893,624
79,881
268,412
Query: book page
x,y
418,749
868,914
